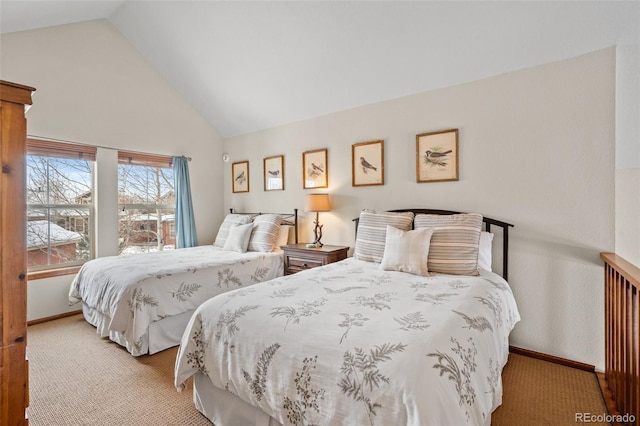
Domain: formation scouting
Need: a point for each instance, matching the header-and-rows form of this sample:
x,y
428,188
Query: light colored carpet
x,y
77,378
538,392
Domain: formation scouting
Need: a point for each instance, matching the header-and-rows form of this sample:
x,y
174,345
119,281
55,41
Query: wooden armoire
x,y
14,379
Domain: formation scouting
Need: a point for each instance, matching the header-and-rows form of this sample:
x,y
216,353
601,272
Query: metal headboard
x,y
488,222
287,219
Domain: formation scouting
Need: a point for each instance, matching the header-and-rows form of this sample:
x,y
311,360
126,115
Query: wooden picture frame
x,y
367,163
273,173
315,171
437,156
240,176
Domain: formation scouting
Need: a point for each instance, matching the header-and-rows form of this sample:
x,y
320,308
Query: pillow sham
x,y
484,255
283,236
238,238
407,251
454,243
230,219
372,232
265,232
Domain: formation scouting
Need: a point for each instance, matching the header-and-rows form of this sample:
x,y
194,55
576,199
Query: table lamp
x,y
317,203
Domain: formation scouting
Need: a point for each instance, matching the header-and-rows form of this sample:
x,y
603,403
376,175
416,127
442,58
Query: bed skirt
x,y
224,408
161,335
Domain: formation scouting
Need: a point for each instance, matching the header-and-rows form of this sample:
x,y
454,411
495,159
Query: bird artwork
x,y
241,178
315,170
273,173
366,165
434,157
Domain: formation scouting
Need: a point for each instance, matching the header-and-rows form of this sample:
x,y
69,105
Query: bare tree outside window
x,y
59,211
147,208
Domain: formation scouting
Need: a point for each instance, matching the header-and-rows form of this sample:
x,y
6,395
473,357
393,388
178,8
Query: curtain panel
x,y
185,223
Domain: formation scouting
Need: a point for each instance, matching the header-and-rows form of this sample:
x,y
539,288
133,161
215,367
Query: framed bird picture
x,y
240,176
314,169
437,156
274,173
367,163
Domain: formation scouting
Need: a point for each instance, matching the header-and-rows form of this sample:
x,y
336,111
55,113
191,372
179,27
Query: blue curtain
x,y
185,224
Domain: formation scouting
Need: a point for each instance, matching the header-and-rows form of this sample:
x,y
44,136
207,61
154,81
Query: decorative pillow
x,y
372,232
484,256
238,238
454,243
265,232
230,219
283,236
407,251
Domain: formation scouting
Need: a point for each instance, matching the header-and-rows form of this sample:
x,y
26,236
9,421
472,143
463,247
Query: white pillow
x,y
484,256
283,235
238,238
230,219
407,251
265,232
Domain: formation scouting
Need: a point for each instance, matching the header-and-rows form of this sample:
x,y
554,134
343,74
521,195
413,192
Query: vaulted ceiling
x,y
247,66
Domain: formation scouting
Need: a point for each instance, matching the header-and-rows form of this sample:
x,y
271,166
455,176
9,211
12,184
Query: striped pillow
x,y
266,228
455,242
372,232
230,219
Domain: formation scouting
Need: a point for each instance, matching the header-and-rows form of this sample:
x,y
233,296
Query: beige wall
x,y
628,153
536,150
93,87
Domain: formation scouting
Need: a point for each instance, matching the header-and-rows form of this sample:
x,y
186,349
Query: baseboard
x,y
555,359
53,317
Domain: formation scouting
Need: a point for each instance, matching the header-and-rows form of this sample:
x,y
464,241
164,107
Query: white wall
x,y
536,150
93,87
628,153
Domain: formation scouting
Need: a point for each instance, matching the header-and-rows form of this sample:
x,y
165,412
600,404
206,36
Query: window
x,y
59,204
146,203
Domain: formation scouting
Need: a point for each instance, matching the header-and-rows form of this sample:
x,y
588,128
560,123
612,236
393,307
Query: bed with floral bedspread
x,y
349,343
123,296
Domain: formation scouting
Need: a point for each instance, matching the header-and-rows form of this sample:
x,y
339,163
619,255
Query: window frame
x,y
128,158
62,150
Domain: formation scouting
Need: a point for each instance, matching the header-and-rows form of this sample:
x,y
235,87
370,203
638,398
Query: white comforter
x,y
349,343
133,291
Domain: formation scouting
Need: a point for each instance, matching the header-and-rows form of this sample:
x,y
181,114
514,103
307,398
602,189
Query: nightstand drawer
x,y
299,257
303,263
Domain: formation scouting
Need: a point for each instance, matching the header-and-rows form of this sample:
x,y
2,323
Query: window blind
x,y
60,149
138,159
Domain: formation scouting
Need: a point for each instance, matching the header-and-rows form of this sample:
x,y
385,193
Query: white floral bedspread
x,y
349,343
133,291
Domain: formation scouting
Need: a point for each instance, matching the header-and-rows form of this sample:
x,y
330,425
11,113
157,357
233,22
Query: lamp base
x,y
317,232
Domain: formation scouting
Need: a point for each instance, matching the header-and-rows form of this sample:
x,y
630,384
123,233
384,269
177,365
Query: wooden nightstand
x,y
297,257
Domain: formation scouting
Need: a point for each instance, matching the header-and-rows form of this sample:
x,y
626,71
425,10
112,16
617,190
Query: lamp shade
x,y
317,203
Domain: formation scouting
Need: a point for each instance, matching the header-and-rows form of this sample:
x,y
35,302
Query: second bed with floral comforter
x,y
349,343
122,296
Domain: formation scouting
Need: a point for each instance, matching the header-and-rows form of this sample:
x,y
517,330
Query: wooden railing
x,y
622,335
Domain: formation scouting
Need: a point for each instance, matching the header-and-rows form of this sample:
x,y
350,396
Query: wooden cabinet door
x,y
13,267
